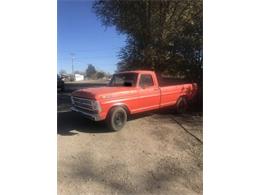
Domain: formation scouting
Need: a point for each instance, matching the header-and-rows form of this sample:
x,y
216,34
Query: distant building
x,y
79,77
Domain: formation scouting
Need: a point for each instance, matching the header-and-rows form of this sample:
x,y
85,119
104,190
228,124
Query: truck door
x,y
149,93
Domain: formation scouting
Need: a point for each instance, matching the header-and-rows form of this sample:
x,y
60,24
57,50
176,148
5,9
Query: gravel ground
x,y
159,153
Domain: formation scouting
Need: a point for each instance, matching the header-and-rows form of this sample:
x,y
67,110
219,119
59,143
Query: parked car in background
x,y
129,93
60,83
78,77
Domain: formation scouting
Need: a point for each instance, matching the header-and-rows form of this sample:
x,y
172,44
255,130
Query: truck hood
x,y
104,92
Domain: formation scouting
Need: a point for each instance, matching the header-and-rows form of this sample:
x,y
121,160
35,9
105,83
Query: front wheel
x,y
117,118
182,105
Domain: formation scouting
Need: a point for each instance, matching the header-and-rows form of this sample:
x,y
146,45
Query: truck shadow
x,y
69,121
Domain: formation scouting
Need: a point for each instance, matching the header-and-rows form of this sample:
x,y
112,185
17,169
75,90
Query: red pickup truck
x,y
128,93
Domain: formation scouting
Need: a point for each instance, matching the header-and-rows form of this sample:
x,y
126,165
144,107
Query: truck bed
x,y
164,82
172,89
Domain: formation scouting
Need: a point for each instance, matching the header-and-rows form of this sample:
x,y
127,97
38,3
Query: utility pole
x,y
60,65
72,65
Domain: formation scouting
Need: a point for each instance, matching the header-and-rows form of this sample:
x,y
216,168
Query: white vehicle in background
x,y
79,77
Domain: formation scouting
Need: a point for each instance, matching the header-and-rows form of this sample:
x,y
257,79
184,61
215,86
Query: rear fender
x,y
188,91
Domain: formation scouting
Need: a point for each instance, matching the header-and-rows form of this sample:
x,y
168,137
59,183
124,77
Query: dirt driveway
x,y
159,153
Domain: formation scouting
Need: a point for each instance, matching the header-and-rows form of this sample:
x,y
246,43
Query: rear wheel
x,y
182,105
117,118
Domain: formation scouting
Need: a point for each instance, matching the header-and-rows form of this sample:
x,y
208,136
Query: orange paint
x,y
136,98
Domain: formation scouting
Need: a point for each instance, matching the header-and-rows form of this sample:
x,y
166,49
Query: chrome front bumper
x,y
94,117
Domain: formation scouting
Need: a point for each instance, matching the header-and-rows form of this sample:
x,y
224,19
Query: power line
x,y
88,57
91,50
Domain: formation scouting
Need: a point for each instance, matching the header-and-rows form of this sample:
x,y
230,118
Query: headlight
x,y
96,105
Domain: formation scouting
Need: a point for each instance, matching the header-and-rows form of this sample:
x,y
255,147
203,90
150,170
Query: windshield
x,y
124,79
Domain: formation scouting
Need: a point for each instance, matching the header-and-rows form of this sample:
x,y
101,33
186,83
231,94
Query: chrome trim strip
x,y
84,108
82,103
133,98
168,93
94,117
82,99
144,108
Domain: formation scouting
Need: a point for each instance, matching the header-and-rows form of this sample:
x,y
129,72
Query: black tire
x,y
117,118
182,105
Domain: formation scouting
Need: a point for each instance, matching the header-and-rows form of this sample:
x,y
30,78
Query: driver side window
x,y
146,80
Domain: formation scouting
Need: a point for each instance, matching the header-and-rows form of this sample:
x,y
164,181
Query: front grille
x,y
87,111
83,104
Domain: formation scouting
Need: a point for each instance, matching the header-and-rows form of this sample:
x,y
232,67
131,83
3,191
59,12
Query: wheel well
x,y
123,106
177,101
182,96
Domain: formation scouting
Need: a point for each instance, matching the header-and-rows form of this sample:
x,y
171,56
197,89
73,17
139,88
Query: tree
x,y
63,72
165,36
78,72
100,75
90,71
